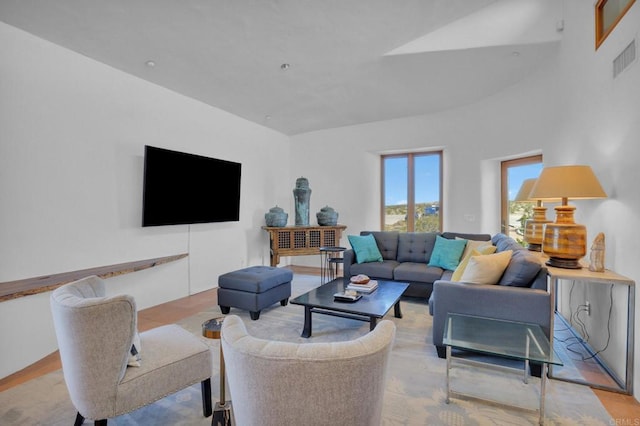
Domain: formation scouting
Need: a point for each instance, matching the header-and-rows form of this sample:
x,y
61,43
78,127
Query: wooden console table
x,y
301,240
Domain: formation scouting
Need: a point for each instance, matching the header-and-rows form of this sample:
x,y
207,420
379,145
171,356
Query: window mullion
x,y
411,193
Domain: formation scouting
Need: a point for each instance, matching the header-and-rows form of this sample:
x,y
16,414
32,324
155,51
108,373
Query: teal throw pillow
x,y
365,248
447,253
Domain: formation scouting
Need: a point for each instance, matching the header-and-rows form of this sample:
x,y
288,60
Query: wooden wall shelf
x,y
20,288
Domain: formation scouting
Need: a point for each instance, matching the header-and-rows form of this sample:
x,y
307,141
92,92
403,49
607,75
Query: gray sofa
x,y
519,295
405,258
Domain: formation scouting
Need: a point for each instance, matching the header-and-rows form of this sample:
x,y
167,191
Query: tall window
x,y
412,192
515,214
608,14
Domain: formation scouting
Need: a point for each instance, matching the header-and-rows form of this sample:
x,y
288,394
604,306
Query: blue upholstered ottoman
x,y
254,288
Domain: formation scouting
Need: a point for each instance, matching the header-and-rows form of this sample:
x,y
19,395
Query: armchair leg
x,y
205,385
79,419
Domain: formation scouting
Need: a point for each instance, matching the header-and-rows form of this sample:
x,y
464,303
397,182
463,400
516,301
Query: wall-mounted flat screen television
x,y
182,188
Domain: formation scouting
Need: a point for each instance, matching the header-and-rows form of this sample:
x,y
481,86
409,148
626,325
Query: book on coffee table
x,y
364,288
343,297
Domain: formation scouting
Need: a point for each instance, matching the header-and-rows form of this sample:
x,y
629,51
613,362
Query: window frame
x,y
410,156
602,33
504,185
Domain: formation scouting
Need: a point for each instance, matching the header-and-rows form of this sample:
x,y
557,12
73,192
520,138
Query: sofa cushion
x,y
365,248
447,253
387,242
503,243
446,275
474,245
415,246
486,269
523,268
482,250
417,272
454,235
383,270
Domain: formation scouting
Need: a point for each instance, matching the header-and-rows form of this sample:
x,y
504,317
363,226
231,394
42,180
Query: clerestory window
x,y
608,13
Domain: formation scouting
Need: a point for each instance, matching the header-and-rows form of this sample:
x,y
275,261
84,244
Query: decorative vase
x,y
301,196
327,216
276,216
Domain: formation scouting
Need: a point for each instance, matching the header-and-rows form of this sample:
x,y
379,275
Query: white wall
x,y
600,127
471,137
569,109
72,136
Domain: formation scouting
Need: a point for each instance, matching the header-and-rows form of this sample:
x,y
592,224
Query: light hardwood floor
x,y
624,409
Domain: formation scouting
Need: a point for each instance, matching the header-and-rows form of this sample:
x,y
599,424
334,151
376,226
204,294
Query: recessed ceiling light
x,y
515,53
267,117
285,67
150,64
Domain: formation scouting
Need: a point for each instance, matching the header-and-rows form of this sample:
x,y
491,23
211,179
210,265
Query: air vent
x,y
624,59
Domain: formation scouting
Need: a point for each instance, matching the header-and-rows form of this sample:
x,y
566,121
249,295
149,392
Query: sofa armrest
x,y
491,301
349,258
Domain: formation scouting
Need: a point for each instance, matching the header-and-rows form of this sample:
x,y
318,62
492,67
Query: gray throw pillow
x,y
522,269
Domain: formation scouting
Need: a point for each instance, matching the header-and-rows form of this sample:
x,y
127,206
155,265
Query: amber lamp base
x,y
534,229
565,242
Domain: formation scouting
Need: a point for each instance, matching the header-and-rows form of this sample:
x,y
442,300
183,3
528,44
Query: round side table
x,y
329,261
222,412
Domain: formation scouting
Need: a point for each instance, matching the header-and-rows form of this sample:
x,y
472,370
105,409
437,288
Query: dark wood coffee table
x,y
369,308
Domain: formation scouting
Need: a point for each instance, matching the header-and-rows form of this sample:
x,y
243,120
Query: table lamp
x,y
564,241
534,227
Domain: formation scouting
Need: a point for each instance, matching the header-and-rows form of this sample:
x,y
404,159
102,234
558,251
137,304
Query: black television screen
x,y
181,188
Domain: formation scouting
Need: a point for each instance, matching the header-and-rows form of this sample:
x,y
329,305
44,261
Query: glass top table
x,y
517,340
509,339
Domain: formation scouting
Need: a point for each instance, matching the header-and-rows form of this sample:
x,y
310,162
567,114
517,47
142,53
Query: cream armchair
x,y
283,383
95,334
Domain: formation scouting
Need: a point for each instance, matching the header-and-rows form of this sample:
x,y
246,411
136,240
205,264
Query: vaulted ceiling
x,y
303,65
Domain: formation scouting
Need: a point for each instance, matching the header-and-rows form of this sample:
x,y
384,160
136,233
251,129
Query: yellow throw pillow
x,y
482,249
472,245
486,269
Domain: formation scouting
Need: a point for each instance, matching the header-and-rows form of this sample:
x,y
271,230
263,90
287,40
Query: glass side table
x,y
509,339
